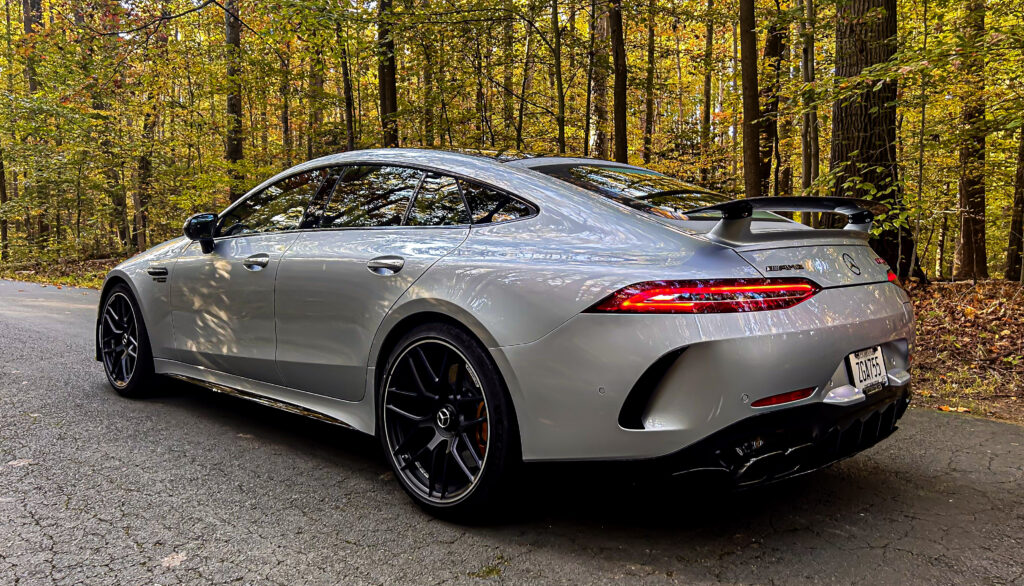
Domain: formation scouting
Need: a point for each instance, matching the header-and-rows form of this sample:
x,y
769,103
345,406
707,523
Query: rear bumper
x,y
790,442
638,387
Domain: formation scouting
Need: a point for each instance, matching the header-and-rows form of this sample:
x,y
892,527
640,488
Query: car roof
x,y
545,161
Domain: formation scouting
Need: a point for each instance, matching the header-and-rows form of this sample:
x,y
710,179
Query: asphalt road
x,y
191,487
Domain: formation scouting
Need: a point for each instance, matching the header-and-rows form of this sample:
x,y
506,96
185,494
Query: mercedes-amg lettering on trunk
x,y
477,312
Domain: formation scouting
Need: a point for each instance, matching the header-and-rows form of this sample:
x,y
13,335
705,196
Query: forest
x,y
120,119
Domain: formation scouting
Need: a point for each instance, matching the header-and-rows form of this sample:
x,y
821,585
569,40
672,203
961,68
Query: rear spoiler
x,y
734,227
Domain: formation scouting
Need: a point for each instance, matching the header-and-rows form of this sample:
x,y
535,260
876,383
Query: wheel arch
x,y
403,319
113,279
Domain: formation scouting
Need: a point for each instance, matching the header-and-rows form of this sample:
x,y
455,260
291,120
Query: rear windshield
x,y
640,189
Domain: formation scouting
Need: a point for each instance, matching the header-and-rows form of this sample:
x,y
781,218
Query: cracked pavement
x,y
191,487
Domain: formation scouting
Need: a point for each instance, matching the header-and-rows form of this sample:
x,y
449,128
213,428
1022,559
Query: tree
x,y
810,157
751,105
1015,246
864,120
556,52
971,260
386,75
233,144
619,94
600,90
649,87
705,111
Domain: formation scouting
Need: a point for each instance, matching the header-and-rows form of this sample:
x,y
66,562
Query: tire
x,y
120,333
438,384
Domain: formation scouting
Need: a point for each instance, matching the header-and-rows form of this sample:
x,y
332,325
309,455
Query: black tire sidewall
x,y
503,455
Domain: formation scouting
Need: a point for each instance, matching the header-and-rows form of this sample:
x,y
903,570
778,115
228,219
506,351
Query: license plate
x,y
867,370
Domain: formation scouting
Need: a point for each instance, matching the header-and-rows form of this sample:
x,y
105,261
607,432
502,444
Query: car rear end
x,y
754,378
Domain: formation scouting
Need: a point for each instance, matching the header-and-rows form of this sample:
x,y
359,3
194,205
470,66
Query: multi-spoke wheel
x,y
123,343
446,422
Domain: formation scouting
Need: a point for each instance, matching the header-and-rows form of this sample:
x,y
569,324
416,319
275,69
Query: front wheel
x,y
447,423
124,344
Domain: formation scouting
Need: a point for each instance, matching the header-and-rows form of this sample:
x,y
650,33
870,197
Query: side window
x,y
438,203
370,195
276,208
489,205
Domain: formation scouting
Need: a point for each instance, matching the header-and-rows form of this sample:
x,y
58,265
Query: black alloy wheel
x,y
445,421
124,344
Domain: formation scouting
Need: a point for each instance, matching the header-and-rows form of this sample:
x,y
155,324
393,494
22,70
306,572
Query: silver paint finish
x,y
309,328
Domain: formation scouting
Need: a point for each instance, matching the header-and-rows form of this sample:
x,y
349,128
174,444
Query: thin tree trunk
x,y
601,68
4,252
386,75
346,80
590,78
233,147
971,260
507,97
705,112
556,31
783,160
940,253
768,125
286,103
428,94
619,95
1015,247
751,107
649,86
809,150
316,94
527,72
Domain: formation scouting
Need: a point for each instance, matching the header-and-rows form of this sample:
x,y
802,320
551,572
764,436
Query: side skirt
x,y
354,415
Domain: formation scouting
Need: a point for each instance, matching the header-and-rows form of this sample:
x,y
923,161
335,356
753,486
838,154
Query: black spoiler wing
x,y
734,227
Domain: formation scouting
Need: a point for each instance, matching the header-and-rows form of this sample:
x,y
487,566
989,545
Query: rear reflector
x,y
783,398
891,276
708,296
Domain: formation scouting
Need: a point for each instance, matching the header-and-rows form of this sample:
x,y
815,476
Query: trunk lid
x,y
829,265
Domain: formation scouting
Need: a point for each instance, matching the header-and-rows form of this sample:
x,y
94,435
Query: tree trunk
x,y
590,78
751,106
705,111
864,120
810,156
556,32
233,147
783,165
971,260
1015,248
428,94
507,97
940,253
350,107
316,95
4,252
527,72
386,75
619,95
768,125
286,102
649,86
601,68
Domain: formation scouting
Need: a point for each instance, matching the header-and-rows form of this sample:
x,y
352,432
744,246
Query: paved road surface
x,y
192,487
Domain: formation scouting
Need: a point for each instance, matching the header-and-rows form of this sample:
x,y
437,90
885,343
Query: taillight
x,y
891,276
708,296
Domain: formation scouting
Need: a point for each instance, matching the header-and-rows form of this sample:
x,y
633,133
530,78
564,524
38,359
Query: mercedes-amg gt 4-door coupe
x,y
480,312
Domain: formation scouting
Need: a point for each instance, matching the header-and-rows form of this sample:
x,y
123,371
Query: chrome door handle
x,y
256,262
385,265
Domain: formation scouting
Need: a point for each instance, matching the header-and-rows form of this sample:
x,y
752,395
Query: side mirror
x,y
200,227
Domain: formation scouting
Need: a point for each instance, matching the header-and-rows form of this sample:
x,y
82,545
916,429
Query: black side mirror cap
x,y
200,227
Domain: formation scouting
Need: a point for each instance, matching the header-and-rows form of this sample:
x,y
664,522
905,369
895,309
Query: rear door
x,y
380,229
222,303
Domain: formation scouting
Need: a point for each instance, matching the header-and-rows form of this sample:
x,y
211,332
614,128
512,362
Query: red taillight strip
x,y
709,296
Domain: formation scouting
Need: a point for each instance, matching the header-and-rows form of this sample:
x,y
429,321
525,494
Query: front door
x,y
336,285
222,303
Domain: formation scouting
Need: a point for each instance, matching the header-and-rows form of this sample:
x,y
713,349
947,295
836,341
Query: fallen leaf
x,y
20,462
172,561
954,409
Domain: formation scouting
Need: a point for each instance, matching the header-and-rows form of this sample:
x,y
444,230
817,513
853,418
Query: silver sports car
x,y
478,312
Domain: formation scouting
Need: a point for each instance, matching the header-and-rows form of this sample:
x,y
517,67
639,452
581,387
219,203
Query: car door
x,y
222,303
381,228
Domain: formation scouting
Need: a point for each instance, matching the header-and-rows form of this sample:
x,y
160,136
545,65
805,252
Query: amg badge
x,y
773,268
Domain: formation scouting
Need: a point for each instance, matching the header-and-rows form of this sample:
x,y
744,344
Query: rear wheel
x,y
124,344
446,422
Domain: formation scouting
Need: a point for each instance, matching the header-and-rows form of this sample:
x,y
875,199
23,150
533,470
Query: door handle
x,y
385,265
256,262
157,271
